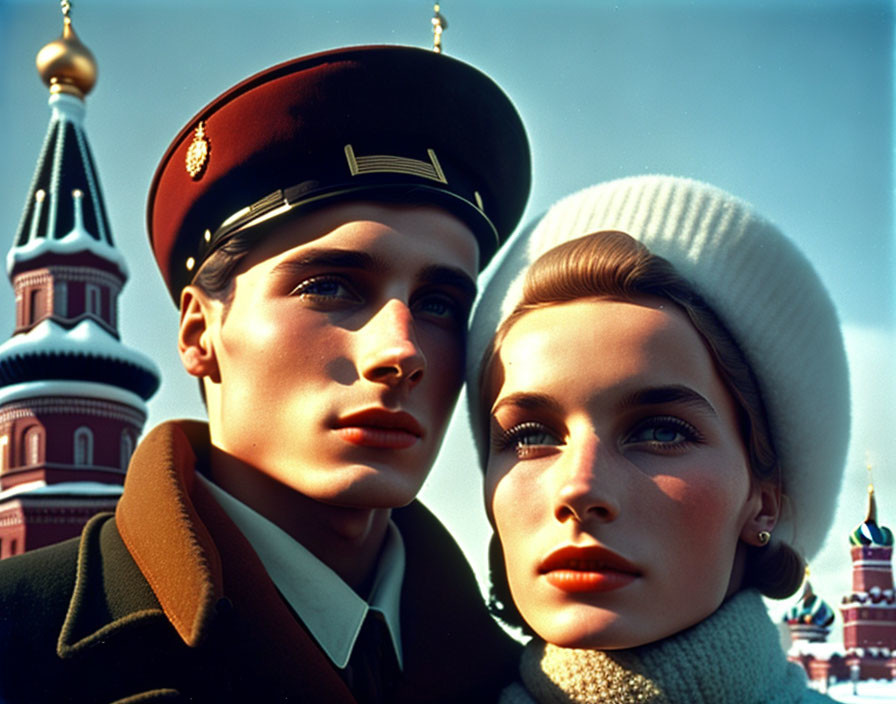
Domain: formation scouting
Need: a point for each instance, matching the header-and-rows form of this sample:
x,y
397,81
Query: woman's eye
x,y
325,289
665,432
526,439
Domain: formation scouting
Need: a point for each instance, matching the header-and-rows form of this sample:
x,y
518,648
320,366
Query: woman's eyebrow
x,y
527,400
675,393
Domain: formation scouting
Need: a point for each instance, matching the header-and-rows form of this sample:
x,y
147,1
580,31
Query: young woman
x,y
663,418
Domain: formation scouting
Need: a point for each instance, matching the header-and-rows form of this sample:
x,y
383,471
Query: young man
x,y
321,225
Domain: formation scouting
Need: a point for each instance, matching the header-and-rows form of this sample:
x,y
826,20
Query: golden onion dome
x,y
66,65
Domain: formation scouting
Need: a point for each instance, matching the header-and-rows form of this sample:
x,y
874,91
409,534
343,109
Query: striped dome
x,y
810,609
868,533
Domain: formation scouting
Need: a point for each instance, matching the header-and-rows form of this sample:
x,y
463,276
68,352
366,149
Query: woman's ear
x,y
763,517
195,343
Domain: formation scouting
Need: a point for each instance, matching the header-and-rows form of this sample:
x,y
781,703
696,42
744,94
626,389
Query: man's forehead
x,y
374,237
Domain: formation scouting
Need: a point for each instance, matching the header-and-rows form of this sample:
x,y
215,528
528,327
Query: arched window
x,y
38,303
83,446
4,453
60,299
127,448
94,305
34,445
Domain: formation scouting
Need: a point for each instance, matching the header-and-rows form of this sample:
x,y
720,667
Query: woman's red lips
x,y
587,569
379,428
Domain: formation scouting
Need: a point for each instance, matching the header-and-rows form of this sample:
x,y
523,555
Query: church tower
x,y
72,396
869,612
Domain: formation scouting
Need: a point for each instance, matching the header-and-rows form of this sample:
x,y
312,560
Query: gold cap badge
x,y
197,152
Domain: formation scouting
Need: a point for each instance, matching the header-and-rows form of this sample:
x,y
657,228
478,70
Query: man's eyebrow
x,y
337,258
676,393
528,401
448,276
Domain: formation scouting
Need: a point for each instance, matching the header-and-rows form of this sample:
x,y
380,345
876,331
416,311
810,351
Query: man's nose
x,y
390,352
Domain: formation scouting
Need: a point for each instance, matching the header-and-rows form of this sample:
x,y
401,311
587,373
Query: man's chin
x,y
367,488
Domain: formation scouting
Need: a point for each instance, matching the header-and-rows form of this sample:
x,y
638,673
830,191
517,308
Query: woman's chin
x,y
596,631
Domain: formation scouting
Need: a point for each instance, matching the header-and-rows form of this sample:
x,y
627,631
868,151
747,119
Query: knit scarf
x,y
732,656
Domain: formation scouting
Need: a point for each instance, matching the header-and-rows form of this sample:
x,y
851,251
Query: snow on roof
x,y
820,651
78,240
44,490
87,339
78,389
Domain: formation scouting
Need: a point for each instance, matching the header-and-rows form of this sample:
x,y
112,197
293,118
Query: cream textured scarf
x,y
733,656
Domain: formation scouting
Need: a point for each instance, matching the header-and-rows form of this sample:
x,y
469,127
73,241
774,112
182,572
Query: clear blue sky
x,y
786,103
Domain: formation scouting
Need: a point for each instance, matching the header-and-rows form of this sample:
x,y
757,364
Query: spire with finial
x,y
65,211
869,532
439,25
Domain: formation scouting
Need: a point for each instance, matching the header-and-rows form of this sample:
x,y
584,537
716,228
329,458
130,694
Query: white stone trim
x,y
68,273
89,390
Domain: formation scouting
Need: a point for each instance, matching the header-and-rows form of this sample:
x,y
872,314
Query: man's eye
x,y
440,306
325,288
437,306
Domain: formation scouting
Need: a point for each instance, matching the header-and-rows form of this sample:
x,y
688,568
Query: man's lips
x,y
587,569
379,428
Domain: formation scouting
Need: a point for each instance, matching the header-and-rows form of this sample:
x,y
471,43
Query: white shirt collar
x,y
330,609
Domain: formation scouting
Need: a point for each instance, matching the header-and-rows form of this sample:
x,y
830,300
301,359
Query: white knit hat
x,y
765,292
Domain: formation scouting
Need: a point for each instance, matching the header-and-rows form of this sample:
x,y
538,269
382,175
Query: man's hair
x,y
215,277
614,265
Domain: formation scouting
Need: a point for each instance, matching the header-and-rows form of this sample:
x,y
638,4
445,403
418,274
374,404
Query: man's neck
x,y
347,539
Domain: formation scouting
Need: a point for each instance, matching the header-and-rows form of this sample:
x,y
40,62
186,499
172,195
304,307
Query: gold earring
x,y
763,536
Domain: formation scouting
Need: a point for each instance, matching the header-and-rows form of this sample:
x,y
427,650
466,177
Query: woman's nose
x,y
586,485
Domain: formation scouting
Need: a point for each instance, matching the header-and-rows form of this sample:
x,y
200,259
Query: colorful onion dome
x,y
868,533
810,609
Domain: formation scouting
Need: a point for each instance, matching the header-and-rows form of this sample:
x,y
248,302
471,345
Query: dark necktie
x,y
372,669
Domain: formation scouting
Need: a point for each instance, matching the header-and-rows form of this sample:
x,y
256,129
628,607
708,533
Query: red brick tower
x,y
72,396
869,612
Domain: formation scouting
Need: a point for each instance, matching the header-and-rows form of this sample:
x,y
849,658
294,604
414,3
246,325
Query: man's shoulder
x,y
449,629
38,575
35,591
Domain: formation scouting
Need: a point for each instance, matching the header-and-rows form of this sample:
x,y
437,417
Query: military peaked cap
x,y
354,123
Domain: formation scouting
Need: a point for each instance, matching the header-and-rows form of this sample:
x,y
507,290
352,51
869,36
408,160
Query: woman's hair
x,y
614,265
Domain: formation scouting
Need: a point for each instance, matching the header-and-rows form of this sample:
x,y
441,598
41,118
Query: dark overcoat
x,y
166,601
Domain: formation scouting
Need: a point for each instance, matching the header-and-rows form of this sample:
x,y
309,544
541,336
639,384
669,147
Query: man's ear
x,y
195,343
764,514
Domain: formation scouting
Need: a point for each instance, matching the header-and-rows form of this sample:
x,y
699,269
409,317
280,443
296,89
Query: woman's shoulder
x,y
516,693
